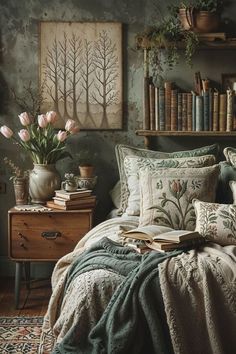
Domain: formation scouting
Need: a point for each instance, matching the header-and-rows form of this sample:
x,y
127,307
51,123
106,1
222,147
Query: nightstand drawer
x,y
46,236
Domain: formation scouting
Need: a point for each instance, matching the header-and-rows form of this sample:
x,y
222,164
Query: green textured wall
x,y
19,58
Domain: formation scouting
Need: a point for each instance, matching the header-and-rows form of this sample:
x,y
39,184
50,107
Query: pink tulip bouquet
x,y
40,139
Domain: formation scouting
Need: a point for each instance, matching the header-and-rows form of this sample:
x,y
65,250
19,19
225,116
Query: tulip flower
x,y
7,132
24,135
42,121
24,119
61,135
70,125
75,130
51,117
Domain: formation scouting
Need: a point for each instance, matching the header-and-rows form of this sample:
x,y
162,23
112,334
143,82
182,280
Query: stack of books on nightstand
x,y
80,199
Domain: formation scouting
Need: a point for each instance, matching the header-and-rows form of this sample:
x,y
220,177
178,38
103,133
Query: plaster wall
x,y
19,64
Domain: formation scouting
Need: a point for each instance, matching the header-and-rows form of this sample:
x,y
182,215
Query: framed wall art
x,y
81,72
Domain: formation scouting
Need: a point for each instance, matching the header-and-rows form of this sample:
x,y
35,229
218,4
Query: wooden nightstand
x,y
43,236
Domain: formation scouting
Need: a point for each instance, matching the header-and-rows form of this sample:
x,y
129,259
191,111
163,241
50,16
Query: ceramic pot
x,y
21,189
87,182
43,181
186,18
206,22
86,171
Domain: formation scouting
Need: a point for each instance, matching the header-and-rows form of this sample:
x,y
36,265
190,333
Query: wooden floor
x,y
32,303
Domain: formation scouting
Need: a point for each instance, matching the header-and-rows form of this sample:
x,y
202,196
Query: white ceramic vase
x,y
43,181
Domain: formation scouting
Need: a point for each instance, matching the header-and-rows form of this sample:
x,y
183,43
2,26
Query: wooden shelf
x,y
182,133
147,134
229,43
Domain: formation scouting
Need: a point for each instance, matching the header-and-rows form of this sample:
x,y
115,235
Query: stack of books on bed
x,y
80,199
150,237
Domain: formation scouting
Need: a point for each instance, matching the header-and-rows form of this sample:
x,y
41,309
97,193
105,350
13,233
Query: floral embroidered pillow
x,y
166,195
125,150
216,222
133,164
230,155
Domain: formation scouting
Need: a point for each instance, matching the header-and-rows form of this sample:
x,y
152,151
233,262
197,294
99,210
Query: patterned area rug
x,y
20,335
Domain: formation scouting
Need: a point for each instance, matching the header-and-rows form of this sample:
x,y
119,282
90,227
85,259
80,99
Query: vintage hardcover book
x,y
222,112
167,87
80,201
189,111
52,205
206,110
146,110
80,193
162,238
210,108
193,111
152,105
162,108
174,110
184,111
179,110
215,123
199,113
229,110
167,246
157,124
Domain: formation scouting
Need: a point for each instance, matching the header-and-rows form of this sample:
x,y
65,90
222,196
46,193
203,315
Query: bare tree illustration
x,y
75,63
64,74
86,72
51,72
105,71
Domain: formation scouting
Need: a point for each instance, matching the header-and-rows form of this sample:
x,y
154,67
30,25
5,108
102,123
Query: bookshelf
x,y
209,42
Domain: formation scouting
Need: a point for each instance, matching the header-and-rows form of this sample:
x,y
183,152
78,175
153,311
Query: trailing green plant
x,y
209,5
17,172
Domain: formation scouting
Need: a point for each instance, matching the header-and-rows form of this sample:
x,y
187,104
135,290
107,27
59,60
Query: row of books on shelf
x,y
152,237
80,199
169,109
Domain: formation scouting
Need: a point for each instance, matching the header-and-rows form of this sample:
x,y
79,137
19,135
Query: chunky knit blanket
x,y
198,288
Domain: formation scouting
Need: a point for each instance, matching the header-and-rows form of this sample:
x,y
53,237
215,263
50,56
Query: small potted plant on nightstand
x,y
86,164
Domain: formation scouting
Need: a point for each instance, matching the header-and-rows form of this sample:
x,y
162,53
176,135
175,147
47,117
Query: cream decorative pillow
x,y
216,222
166,195
125,150
115,194
230,155
133,164
232,185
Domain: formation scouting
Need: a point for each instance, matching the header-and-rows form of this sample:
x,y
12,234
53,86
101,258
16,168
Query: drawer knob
x,y
22,245
51,235
21,235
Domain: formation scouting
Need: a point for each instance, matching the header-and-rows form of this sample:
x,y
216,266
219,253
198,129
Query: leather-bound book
x,y
162,108
189,111
222,112
229,110
184,111
167,87
199,113
152,105
179,110
215,111
174,110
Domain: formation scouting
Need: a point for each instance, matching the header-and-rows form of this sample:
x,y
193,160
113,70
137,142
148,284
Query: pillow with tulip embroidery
x,y
216,222
125,150
166,195
133,164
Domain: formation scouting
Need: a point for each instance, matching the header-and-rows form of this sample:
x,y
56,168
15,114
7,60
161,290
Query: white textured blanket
x,y
198,289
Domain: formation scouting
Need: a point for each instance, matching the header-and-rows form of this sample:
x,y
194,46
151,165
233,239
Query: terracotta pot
x,y
43,181
206,22
86,171
186,18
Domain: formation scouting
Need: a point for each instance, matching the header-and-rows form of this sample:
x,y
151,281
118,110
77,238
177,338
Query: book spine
x,y
215,111
206,110
189,111
199,113
167,87
222,112
210,109
193,111
179,110
162,108
184,111
157,124
174,110
229,111
146,110
152,105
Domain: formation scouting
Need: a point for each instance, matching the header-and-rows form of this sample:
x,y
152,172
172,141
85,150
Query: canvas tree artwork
x,y
81,72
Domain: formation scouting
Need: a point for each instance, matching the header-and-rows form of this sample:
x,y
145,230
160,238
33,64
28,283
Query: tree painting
x,y
81,70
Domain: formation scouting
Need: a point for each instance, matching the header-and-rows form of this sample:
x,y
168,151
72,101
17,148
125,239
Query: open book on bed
x,y
162,238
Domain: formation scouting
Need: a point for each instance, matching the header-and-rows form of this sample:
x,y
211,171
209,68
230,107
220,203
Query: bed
x,y
107,298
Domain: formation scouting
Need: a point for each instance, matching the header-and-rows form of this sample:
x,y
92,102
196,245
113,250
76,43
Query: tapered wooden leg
x,y
27,274
17,283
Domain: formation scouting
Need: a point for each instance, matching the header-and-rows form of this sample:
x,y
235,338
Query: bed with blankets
x,y
107,298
